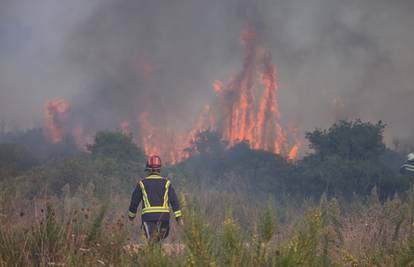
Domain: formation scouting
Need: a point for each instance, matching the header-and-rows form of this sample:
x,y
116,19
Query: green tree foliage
x,y
113,165
351,140
349,157
52,176
212,161
206,142
13,159
346,160
118,161
117,146
37,146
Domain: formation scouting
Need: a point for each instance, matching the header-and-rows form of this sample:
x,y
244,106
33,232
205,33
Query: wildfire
x,y
298,142
160,140
56,113
218,86
293,154
82,138
148,136
270,134
246,109
125,127
236,116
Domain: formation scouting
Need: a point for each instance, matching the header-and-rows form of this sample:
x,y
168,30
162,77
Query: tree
x,y
349,140
117,160
346,160
14,159
206,142
37,146
116,146
211,162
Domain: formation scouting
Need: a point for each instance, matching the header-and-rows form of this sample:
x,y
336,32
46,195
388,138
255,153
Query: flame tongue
x,y
241,122
56,114
270,134
148,135
160,140
244,107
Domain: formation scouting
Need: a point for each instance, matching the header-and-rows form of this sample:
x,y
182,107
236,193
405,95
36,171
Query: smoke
x,y
33,67
115,59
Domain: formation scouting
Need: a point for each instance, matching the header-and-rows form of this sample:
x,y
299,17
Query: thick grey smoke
x,y
114,59
33,69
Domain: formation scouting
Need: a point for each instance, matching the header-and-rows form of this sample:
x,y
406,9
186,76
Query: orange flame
x,y
294,151
82,138
236,116
55,114
233,114
148,139
270,134
125,127
218,86
293,154
159,140
237,100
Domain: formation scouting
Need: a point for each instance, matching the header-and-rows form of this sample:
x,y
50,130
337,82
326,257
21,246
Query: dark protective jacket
x,y
408,167
156,194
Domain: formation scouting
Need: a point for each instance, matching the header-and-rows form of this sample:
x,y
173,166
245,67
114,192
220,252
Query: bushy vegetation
x,y
346,159
343,204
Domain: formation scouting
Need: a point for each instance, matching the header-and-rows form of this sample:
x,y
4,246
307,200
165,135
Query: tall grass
x,y
327,233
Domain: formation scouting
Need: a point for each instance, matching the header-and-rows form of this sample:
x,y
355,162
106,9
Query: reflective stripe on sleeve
x,y
178,213
131,214
409,167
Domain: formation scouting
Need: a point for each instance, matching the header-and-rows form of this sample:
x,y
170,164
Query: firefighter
x,y
408,167
156,193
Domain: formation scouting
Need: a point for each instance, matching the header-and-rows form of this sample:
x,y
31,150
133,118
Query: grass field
x,y
78,231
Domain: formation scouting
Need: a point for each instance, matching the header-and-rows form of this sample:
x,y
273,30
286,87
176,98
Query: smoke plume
x,y
114,61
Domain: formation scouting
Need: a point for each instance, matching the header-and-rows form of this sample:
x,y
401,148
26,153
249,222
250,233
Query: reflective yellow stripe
x,y
147,206
154,176
167,186
155,209
178,213
144,195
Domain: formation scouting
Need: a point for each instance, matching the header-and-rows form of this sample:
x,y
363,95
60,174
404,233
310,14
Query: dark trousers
x,y
156,231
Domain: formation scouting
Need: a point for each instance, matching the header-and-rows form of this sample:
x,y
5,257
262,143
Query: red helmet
x,y
154,163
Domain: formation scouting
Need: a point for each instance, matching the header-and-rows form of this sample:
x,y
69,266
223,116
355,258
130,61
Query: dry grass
x,y
68,232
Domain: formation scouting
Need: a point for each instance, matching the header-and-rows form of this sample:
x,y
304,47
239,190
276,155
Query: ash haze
x,y
114,59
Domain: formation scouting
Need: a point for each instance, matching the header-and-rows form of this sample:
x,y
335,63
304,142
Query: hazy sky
x,y
113,59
